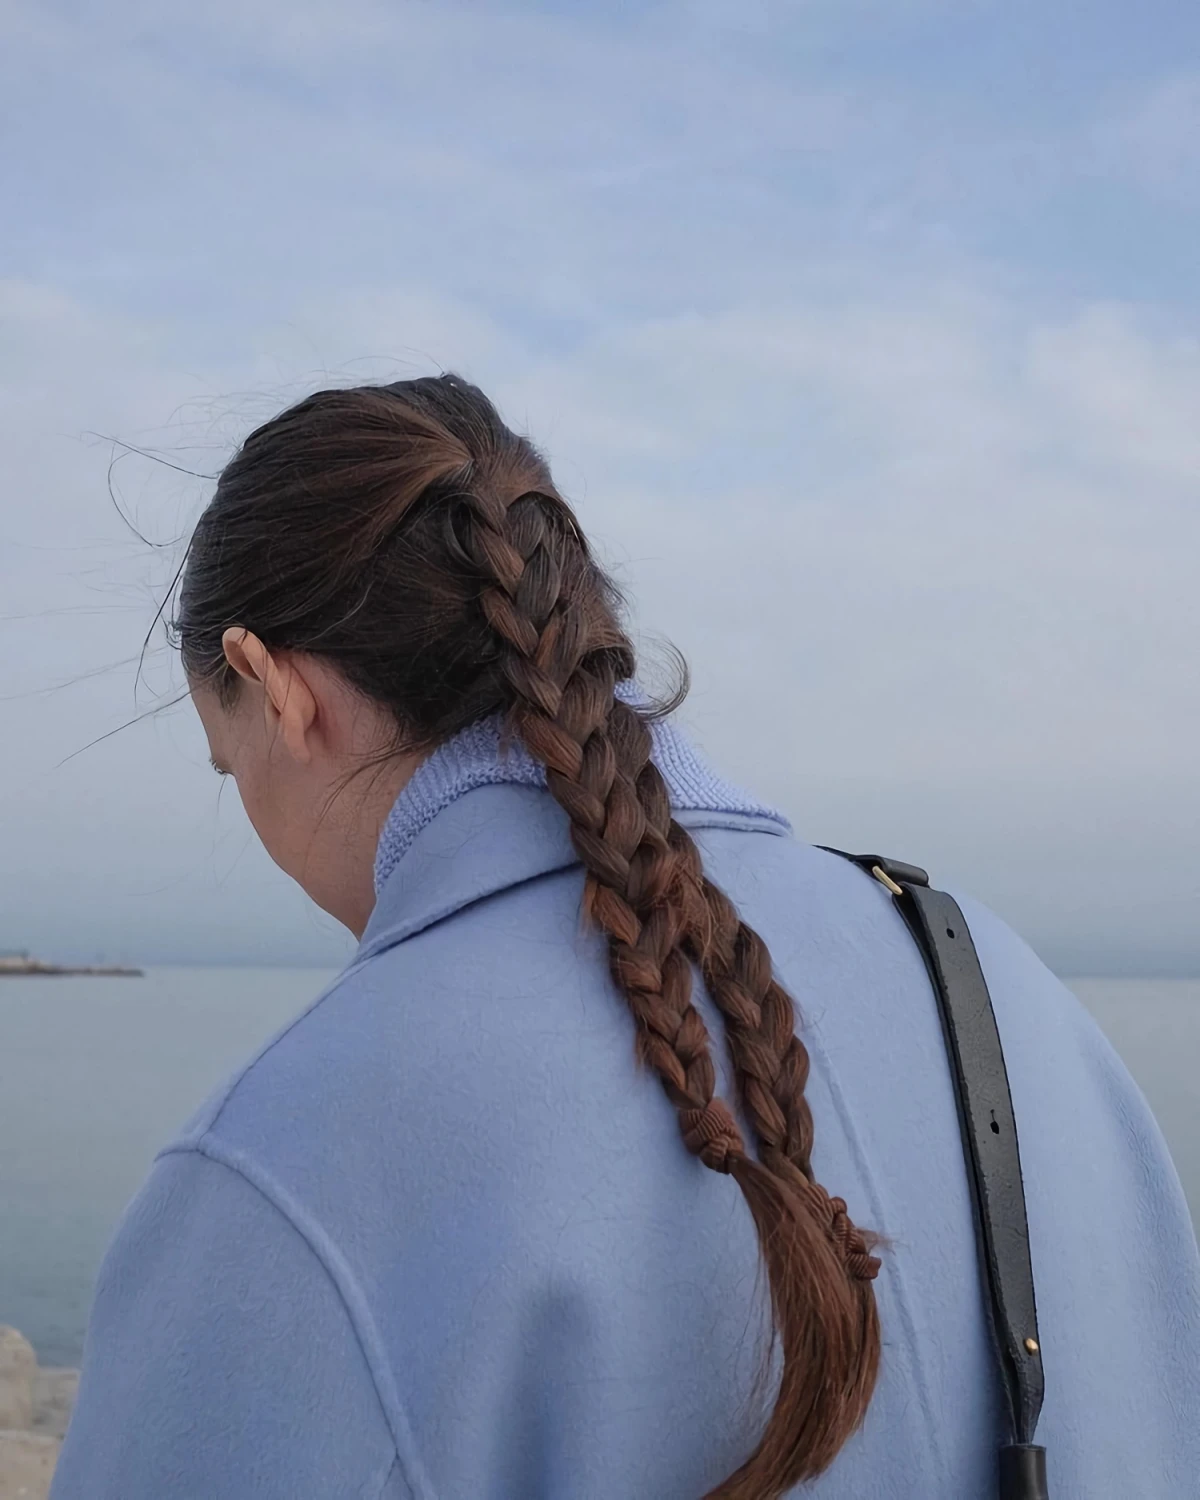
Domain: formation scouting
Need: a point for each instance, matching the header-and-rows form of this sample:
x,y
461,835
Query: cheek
x,y
269,809
250,794
254,789
238,740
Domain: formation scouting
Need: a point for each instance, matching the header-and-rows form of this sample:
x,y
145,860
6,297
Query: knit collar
x,y
478,756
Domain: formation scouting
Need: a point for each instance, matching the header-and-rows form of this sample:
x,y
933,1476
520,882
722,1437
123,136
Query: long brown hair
x,y
405,534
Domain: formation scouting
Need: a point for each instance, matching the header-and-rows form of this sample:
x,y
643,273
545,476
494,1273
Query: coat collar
x,y
489,839
482,755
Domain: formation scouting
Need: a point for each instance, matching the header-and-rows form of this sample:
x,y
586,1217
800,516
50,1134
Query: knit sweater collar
x,y
478,756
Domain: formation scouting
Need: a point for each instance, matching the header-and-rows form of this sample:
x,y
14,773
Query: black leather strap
x,y
989,1135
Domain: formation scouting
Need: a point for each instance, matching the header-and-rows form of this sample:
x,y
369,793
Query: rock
x,y
53,1397
27,1462
18,1365
34,1408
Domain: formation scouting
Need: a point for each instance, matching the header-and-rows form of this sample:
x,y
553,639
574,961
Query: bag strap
x,y
989,1136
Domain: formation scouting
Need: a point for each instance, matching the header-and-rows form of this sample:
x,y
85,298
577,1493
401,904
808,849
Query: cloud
x,y
1126,395
1156,138
923,518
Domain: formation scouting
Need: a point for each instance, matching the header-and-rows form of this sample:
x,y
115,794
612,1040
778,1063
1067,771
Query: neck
x,y
338,862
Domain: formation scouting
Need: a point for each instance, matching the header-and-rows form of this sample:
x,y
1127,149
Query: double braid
x,y
644,869
562,656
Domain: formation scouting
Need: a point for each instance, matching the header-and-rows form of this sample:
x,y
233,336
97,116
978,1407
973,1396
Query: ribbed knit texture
x,y
476,757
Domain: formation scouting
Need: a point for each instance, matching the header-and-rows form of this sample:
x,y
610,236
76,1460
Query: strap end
x,y
1023,1472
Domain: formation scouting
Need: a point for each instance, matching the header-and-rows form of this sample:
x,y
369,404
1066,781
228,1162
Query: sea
x,y
96,1074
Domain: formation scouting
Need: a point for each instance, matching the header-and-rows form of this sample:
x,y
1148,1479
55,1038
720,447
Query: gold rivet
x,y
1031,1346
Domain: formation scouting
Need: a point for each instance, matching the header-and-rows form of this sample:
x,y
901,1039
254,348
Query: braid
x,y
568,716
645,889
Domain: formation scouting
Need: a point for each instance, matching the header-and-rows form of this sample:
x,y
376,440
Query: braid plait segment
x,y
770,1061
596,751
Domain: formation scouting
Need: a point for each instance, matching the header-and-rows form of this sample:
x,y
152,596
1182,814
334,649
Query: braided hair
x,y
409,537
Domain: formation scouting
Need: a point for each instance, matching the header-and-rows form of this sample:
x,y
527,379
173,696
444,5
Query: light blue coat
x,y
441,1239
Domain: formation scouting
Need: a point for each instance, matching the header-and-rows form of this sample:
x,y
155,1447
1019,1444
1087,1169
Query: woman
x,y
442,1238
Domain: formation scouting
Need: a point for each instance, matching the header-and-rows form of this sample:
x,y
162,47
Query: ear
x,y
288,702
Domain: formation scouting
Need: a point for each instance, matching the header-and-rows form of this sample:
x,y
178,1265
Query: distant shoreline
x,y
33,967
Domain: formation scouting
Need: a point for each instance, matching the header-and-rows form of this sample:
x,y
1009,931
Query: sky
x,y
863,334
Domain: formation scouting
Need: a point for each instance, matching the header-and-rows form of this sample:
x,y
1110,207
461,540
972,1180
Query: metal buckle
x,y
891,872
884,878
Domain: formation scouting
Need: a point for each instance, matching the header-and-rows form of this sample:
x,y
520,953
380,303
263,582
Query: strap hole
x,y
949,931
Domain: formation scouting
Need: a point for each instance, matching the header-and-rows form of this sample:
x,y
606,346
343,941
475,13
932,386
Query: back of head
x,y
409,538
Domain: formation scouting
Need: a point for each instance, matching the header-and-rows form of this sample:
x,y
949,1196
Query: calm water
x,y
96,1074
